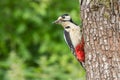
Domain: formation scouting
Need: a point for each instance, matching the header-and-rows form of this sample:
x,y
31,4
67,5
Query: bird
x,y
73,36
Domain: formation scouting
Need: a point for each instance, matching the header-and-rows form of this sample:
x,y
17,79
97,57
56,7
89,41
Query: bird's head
x,y
63,18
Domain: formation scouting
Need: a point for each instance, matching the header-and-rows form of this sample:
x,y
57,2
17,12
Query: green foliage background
x,y
31,47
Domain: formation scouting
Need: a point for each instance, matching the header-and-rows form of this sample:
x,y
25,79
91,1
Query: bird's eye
x,y
63,16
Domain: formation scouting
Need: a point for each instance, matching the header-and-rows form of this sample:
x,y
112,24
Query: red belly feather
x,y
79,50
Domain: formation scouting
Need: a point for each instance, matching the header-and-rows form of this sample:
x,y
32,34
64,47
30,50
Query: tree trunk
x,y
101,30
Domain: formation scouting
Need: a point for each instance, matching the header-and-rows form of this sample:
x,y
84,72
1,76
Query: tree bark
x,y
101,30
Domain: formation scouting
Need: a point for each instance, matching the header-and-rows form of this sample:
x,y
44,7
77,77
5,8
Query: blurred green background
x,y
31,47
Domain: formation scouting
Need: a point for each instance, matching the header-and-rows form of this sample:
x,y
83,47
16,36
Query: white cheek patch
x,y
67,18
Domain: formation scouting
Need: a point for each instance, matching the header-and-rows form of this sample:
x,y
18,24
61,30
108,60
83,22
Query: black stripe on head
x,y
71,20
65,15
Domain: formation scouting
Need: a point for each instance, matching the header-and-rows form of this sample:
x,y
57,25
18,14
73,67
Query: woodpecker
x,y
73,36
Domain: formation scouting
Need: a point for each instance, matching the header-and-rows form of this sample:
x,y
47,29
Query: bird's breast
x,y
75,36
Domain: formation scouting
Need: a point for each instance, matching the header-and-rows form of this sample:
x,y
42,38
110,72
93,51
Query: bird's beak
x,y
56,22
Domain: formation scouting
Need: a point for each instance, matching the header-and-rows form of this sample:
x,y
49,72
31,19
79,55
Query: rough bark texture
x,y
101,30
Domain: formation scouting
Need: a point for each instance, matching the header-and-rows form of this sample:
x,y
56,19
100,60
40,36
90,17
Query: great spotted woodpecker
x,y
73,36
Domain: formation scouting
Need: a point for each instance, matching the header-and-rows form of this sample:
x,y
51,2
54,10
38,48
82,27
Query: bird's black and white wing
x,y
68,41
